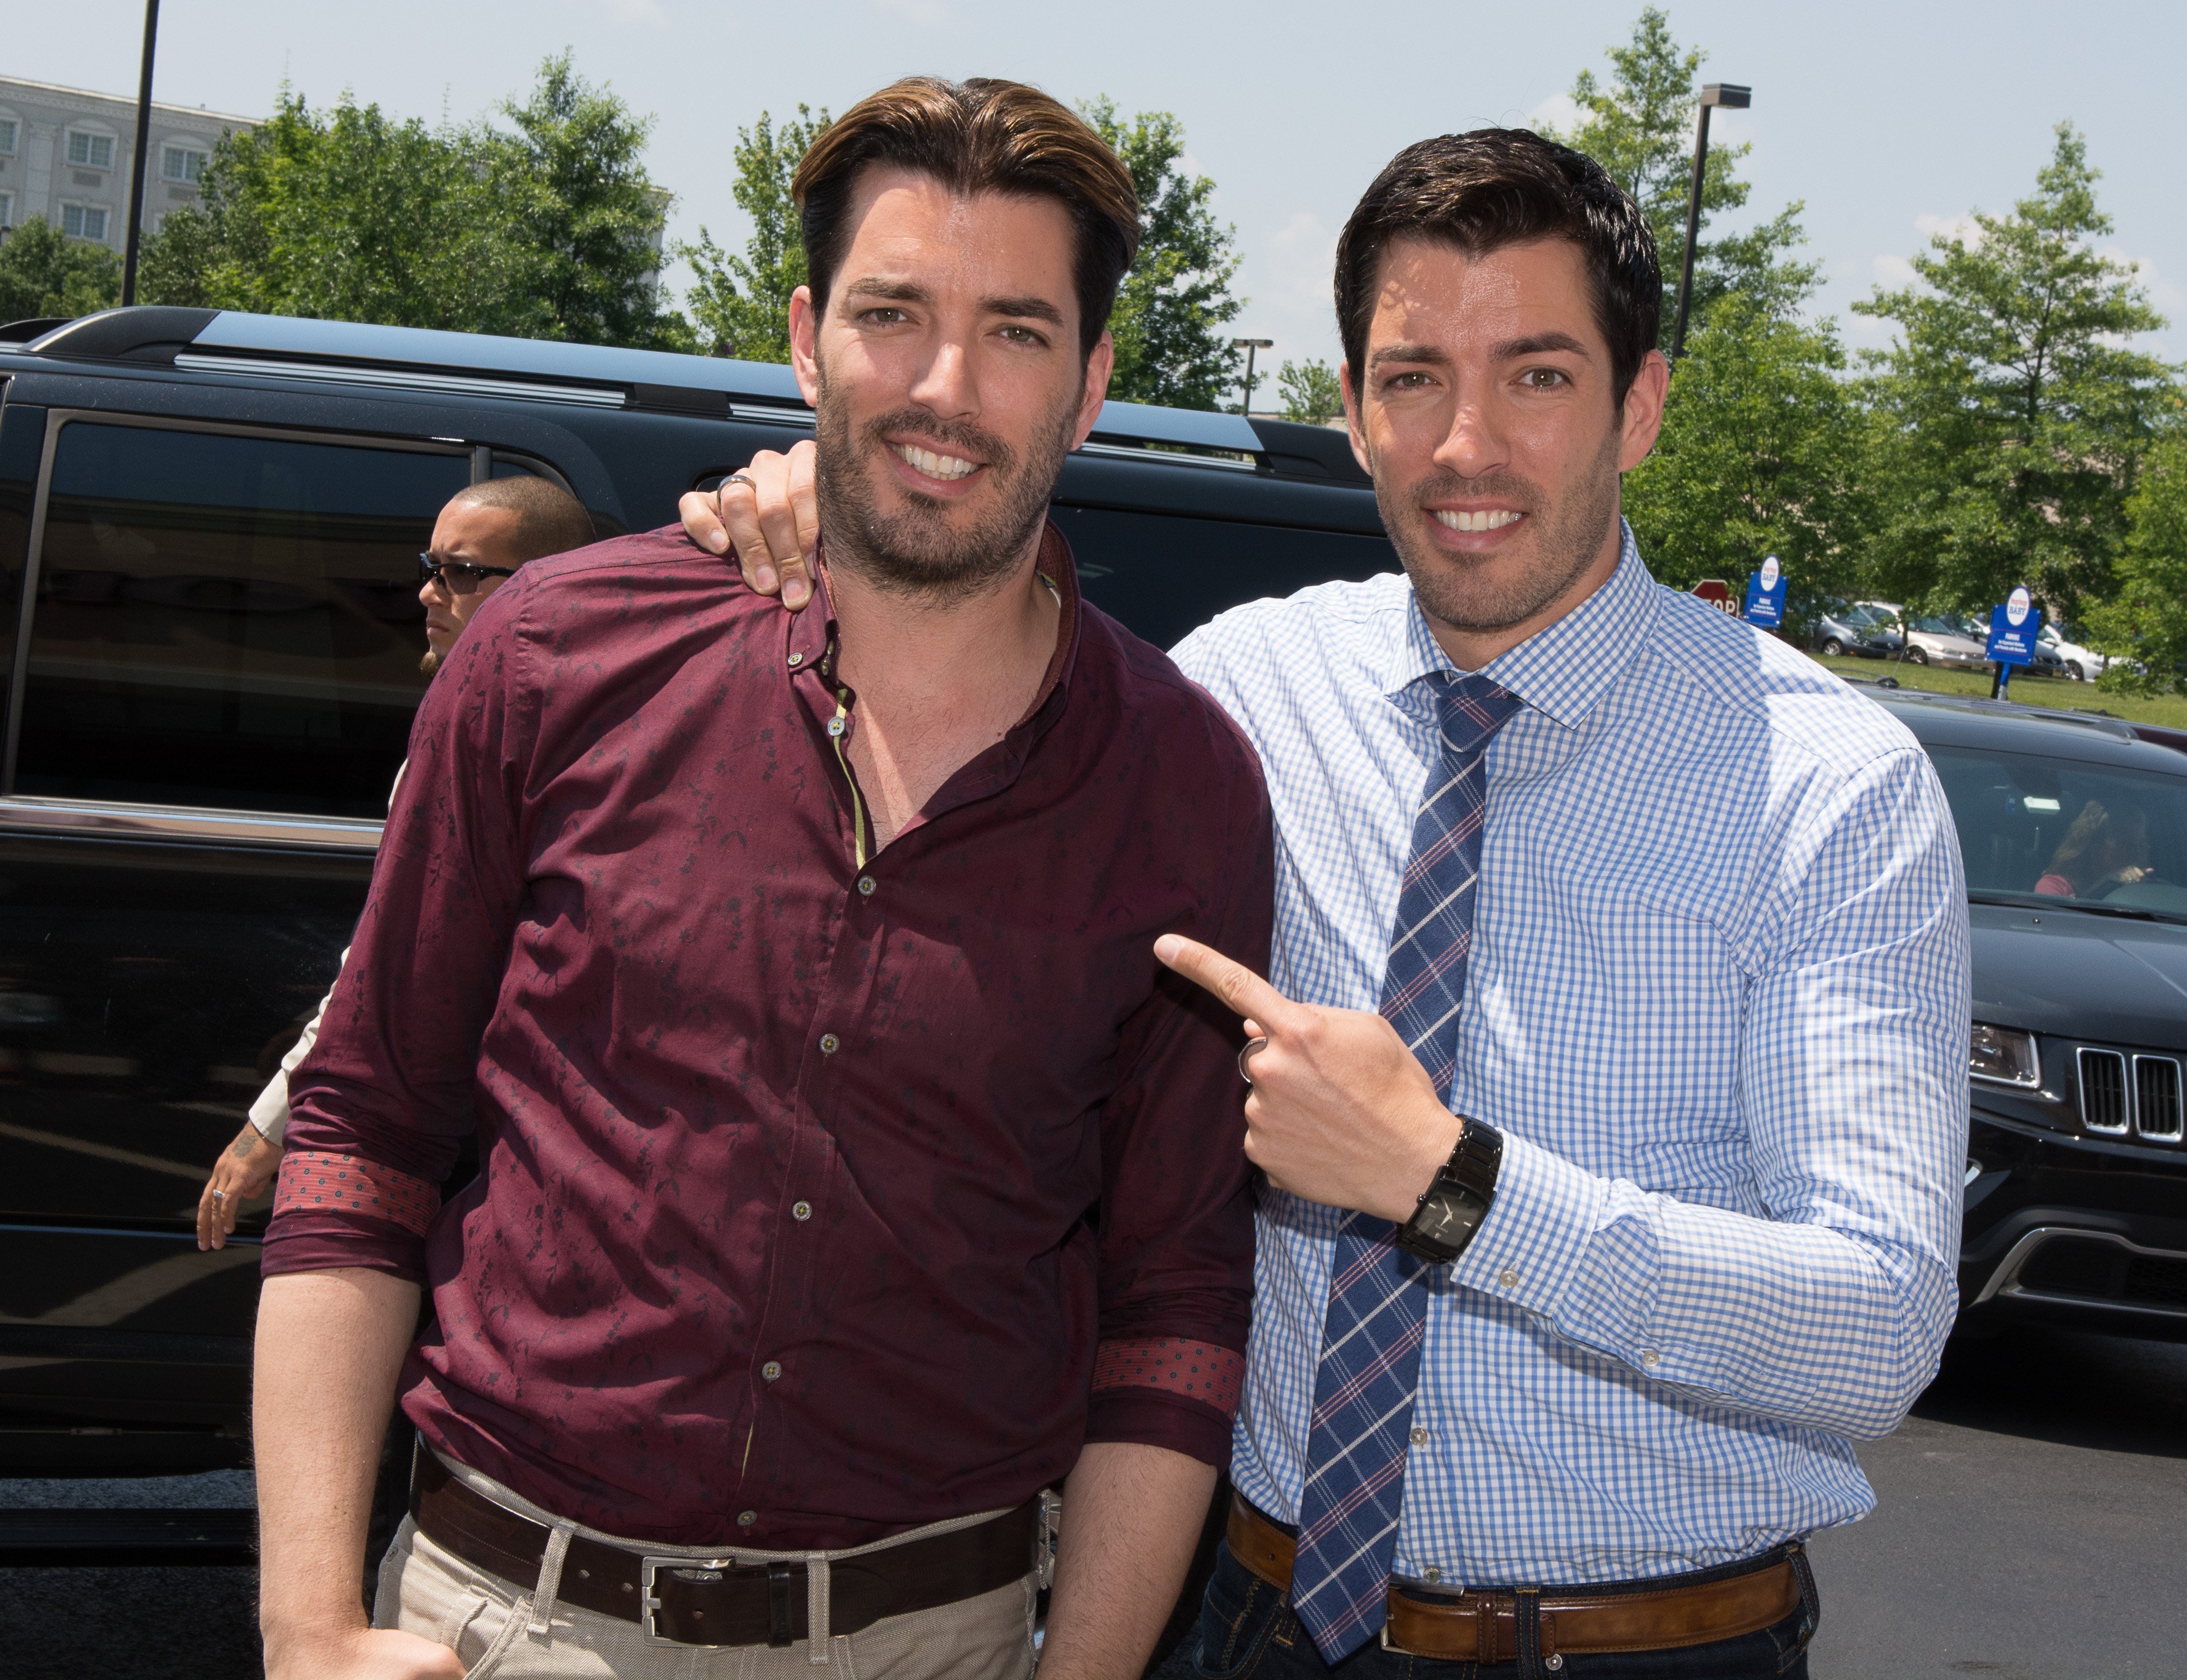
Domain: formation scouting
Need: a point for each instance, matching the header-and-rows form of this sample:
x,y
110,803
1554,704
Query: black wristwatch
x,y
1452,1208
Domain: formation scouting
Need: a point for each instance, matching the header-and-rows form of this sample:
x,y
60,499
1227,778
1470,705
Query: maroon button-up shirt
x,y
822,1193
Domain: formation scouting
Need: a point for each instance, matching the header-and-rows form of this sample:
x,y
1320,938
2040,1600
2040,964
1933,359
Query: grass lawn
x,y
2169,711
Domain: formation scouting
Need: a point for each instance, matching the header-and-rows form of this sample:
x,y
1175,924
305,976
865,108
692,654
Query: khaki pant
x,y
490,1623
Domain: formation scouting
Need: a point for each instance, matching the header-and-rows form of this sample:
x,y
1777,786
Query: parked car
x,y
2079,662
2074,832
1946,639
210,526
1858,628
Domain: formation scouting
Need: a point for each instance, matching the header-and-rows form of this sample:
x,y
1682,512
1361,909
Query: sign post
x,y
1765,596
2013,624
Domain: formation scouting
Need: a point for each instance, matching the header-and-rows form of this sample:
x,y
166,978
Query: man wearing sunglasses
x,y
484,533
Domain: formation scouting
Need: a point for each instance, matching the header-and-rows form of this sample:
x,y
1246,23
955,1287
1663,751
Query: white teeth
x,y
1492,518
933,465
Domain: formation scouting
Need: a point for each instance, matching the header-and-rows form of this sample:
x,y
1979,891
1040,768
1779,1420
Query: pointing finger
x,y
1236,985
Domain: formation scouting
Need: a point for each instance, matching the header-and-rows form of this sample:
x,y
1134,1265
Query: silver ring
x,y
744,478
1246,1055
221,1195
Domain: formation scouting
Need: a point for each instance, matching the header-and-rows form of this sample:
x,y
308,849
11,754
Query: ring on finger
x,y
1246,1055
221,1195
744,478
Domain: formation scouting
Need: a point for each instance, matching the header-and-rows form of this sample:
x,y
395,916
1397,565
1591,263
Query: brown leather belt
x,y
699,1601
1484,1626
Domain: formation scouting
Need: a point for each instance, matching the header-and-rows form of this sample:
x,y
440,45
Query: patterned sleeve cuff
x,y
316,1180
1529,1249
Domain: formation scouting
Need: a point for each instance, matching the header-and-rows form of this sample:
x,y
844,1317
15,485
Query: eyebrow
x,y
1026,308
1509,351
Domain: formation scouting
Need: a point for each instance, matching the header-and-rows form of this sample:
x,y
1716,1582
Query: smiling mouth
x,y
1488,519
946,467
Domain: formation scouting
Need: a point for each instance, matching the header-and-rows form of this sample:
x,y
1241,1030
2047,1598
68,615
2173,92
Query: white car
x,y
2083,664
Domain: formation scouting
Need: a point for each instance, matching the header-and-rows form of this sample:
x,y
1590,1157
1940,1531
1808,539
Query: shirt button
x,y
1650,1356
829,1043
746,1519
771,1370
835,726
801,1211
796,660
1507,1278
865,886
1420,1435
1431,1573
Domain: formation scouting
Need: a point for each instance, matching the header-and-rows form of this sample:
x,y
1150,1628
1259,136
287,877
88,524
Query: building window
x,y
180,163
7,137
84,222
91,151
7,209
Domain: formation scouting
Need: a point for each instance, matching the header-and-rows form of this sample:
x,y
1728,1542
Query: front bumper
x,y
2075,1229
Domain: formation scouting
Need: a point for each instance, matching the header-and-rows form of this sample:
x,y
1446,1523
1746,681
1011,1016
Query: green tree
x,y
741,304
2011,414
349,214
2146,620
583,216
1173,307
1640,125
1312,396
1753,459
44,273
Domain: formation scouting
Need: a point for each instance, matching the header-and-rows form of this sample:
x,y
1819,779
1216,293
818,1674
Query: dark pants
x,y
1247,1629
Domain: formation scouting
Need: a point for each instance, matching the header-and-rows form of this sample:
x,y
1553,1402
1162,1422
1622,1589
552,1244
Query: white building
x,y
65,152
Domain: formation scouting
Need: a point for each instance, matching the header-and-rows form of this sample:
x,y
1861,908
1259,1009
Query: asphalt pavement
x,y
2031,1525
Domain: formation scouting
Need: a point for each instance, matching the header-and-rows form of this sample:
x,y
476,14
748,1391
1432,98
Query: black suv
x,y
2074,831
210,523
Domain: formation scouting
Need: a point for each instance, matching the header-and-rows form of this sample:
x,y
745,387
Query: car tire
x,y
2074,669
1833,649
1915,656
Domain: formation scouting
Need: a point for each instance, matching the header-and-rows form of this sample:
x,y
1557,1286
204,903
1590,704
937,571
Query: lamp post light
x,y
1732,97
1248,345
143,149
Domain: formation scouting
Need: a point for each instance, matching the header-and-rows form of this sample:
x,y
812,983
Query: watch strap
x,y
1452,1208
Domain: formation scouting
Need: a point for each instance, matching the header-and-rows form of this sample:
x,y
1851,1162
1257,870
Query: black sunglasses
x,y
458,577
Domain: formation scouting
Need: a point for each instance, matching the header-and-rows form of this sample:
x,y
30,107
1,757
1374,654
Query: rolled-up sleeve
x,y
1831,1308
379,1107
1177,1219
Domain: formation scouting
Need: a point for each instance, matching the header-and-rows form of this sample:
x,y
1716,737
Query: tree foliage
x,y
741,304
2146,618
44,273
351,215
1310,393
2011,414
1173,306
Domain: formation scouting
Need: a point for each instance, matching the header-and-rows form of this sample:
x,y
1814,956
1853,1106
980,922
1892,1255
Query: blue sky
x,y
1889,120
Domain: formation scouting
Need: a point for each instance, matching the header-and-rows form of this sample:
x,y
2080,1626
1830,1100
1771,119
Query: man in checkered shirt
x,y
1616,1039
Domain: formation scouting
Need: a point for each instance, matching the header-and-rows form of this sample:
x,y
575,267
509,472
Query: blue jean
x,y
1246,1629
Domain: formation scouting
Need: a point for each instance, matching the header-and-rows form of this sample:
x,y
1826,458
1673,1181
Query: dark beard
x,y
916,552
431,663
1568,537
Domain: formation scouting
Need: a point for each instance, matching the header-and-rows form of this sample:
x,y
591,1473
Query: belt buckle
x,y
709,1569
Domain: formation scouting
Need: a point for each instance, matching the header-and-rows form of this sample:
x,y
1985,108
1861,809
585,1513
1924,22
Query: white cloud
x,y
1893,272
2169,295
1559,112
633,11
1287,276
1964,228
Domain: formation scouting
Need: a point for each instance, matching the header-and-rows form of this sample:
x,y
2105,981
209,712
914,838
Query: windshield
x,y
1938,627
1864,618
2040,831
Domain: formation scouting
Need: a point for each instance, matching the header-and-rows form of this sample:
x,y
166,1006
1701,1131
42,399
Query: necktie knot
x,y
1471,708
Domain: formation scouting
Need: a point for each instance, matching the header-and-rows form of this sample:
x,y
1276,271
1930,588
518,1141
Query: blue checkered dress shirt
x,y
1718,1006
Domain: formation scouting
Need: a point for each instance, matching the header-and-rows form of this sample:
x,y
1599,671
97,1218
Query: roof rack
x,y
543,371
2102,722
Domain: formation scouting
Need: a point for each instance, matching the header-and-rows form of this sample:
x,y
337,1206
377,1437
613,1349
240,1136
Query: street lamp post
x,y
1248,345
1732,97
143,149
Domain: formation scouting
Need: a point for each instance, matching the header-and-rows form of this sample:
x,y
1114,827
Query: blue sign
x,y
1765,596
2013,628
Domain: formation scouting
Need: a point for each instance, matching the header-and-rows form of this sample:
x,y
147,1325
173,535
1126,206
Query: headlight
x,y
2003,1055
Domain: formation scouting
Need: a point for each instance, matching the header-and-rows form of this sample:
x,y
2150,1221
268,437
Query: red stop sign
x,y
1717,593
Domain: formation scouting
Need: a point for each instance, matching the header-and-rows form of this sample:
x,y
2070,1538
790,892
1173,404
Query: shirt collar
x,y
1560,671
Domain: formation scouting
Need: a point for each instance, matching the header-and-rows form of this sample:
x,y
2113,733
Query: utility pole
x,y
143,150
1732,97
1248,345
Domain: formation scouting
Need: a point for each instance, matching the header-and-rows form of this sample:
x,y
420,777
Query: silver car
x,y
1946,639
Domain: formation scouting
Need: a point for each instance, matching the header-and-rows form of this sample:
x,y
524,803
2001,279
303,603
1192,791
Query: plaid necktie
x,y
1370,1343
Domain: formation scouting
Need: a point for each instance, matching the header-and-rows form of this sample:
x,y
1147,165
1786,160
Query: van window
x,y
228,621
1164,576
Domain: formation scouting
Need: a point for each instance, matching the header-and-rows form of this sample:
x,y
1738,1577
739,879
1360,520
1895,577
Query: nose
x,y
429,593
1477,443
947,387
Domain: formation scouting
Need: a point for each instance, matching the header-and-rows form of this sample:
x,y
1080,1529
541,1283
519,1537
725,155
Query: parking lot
x,y
2030,1525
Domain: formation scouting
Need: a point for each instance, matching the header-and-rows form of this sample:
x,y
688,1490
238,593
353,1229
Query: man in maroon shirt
x,y
850,1171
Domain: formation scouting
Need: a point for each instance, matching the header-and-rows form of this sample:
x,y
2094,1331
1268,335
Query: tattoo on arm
x,y
244,1145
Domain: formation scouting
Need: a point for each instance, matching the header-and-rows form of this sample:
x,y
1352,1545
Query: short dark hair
x,y
1495,187
550,520
981,135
